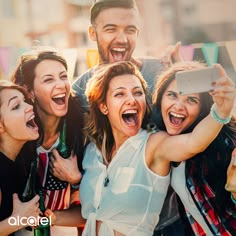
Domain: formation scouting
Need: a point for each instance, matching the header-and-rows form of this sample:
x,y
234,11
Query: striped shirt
x,y
56,192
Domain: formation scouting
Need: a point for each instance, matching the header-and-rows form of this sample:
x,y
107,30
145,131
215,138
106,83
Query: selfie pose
x,y
127,168
17,126
200,181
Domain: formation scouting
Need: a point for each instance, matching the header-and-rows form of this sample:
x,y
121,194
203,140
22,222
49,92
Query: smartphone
x,y
196,81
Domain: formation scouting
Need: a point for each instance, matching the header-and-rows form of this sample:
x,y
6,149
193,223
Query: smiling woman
x,y
44,74
125,161
210,209
17,126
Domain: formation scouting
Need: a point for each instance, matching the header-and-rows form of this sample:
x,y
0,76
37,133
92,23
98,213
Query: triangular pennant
x,y
187,52
5,54
210,52
231,48
92,57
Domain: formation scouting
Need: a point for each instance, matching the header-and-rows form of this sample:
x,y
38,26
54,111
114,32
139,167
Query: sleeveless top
x,y
127,196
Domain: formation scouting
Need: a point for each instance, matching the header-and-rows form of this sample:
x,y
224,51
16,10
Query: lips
x,y
130,117
59,99
31,123
118,53
176,118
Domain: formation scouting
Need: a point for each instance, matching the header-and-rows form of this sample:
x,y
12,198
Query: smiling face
x,y
179,111
116,36
125,105
51,88
17,116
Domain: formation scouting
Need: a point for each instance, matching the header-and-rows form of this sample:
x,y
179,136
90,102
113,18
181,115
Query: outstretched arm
x,y
184,146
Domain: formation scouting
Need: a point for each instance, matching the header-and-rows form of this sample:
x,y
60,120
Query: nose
x,y
179,105
121,37
130,99
60,83
28,107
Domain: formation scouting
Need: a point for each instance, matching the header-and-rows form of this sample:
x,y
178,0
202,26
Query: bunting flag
x,y
92,57
70,55
187,52
210,52
231,48
5,54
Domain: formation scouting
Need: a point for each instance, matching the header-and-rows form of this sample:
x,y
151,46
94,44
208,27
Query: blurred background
x,y
206,28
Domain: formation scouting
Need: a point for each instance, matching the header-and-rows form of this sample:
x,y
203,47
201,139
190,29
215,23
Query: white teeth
x,y
118,49
130,112
177,115
32,117
60,95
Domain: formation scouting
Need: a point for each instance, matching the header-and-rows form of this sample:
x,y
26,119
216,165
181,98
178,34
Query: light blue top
x,y
132,200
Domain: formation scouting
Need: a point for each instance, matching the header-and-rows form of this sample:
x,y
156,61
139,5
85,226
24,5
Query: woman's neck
x,y
11,148
50,128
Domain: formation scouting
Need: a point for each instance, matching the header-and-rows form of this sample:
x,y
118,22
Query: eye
x,y
64,77
17,106
138,93
131,30
192,100
119,94
171,94
48,79
110,30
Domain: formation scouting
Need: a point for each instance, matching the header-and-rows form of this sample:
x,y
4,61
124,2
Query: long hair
x,y
98,127
211,164
24,75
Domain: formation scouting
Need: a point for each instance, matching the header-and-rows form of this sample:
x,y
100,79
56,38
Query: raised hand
x,y
223,94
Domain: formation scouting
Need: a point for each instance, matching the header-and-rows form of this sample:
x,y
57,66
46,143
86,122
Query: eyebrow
x,y
114,25
125,88
15,97
64,71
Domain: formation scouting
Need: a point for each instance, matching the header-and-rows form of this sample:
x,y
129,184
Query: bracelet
x,y
217,118
233,199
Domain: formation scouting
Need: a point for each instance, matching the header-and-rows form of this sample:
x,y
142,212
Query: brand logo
x,y
30,221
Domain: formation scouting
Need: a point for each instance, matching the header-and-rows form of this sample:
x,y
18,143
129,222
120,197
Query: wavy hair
x,y
98,127
24,75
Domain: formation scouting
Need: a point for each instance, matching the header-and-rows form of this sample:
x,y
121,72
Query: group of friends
x,y
144,160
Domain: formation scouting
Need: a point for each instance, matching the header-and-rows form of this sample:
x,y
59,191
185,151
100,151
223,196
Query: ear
x,y
32,97
103,109
92,33
2,129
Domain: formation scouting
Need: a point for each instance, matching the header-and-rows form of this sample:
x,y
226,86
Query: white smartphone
x,y
196,81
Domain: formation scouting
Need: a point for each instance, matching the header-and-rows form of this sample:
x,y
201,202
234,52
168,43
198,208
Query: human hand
x,y
29,210
65,169
171,55
223,94
50,214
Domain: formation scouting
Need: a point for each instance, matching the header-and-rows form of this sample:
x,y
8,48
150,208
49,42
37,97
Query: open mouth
x,y
30,123
118,53
59,99
130,117
176,119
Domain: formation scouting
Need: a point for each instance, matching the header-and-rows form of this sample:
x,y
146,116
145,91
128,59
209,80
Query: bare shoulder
x,y
154,157
154,143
